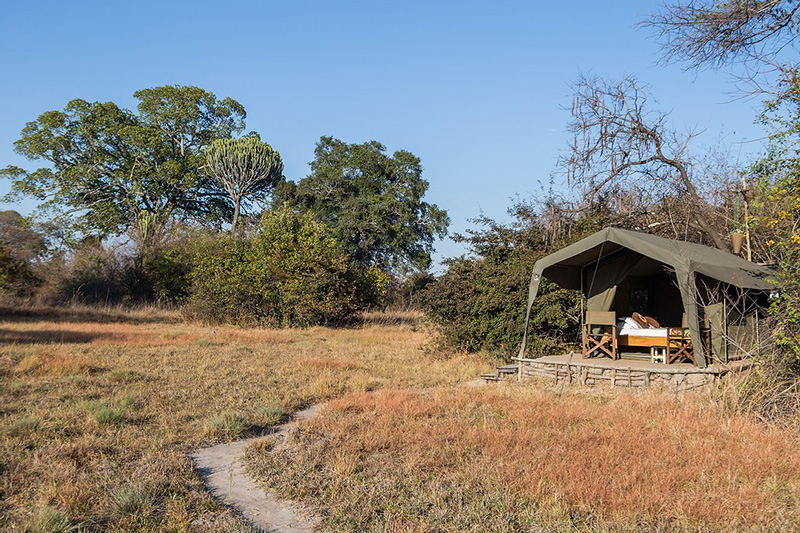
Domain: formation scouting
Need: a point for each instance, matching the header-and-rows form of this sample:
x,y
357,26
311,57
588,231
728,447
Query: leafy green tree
x,y
246,168
372,201
114,171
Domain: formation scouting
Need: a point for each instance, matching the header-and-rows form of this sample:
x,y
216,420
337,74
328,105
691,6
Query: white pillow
x,y
629,323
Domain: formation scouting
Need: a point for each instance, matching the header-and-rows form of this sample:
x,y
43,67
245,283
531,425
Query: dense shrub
x,y
479,302
17,279
165,276
290,273
20,249
771,390
94,275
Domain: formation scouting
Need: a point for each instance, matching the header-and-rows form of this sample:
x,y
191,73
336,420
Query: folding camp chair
x,y
680,346
600,334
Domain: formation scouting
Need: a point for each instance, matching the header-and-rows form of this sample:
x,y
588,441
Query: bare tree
x,y
758,35
245,168
619,142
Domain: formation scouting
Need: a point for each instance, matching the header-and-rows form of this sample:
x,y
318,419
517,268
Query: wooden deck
x,y
620,372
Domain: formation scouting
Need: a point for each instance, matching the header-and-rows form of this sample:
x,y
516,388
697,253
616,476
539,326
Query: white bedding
x,y
643,332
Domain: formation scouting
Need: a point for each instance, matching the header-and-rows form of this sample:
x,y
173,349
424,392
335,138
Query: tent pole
x,y
583,303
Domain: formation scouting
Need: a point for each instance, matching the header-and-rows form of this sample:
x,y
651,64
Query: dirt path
x,y
224,473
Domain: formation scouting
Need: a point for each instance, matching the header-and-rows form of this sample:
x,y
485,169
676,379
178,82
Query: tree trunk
x,y
236,207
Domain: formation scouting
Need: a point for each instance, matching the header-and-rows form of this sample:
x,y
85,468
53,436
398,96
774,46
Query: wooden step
x,y
507,369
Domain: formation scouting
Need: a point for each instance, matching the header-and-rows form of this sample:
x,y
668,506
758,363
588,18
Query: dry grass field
x,y
518,458
98,409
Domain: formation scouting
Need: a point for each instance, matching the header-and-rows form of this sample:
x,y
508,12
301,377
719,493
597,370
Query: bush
x,y
17,279
479,305
771,389
291,273
479,302
21,248
94,275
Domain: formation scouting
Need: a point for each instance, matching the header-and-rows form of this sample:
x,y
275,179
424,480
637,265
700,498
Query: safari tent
x,y
711,293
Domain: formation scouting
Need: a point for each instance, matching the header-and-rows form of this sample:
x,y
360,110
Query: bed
x,y
643,338
666,345
637,333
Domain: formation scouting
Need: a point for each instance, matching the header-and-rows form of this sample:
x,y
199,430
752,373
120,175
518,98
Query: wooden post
x,y
746,214
629,378
613,377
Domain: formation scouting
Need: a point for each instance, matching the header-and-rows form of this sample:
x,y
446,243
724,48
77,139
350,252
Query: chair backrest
x,y
601,318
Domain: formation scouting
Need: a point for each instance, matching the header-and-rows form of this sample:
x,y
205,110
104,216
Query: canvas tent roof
x,y
565,266
569,266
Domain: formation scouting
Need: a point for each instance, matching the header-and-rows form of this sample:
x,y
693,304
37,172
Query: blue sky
x,y
477,90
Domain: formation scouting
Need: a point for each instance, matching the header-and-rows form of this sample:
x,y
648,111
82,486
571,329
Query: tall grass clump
x,y
272,414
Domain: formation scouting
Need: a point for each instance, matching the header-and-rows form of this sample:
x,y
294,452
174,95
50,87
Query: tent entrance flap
x,y
606,276
686,284
533,289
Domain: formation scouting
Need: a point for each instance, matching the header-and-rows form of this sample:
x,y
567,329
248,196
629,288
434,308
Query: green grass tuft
x,y
227,424
132,501
104,414
272,415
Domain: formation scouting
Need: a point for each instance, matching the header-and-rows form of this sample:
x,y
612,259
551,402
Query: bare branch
x,y
753,34
618,141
